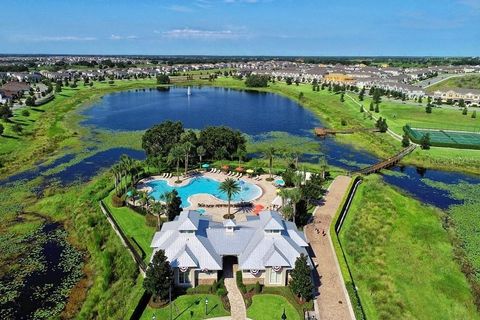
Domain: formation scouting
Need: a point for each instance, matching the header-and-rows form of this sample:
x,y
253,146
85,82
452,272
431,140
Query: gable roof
x,y
255,247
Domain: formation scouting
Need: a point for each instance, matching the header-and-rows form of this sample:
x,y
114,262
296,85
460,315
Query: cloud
x,y
178,8
56,38
188,33
118,37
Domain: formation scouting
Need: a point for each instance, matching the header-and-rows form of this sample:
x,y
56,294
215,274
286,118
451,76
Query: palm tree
x,y
241,153
268,154
176,155
295,196
115,170
187,147
201,153
158,209
231,188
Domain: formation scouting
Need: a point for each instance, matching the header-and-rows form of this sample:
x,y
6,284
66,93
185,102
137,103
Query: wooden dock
x,y
387,163
323,132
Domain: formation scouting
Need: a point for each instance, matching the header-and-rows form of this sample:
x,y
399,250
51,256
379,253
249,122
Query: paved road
x,y
332,301
238,311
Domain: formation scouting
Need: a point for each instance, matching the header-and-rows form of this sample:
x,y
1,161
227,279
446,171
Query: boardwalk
x,y
322,132
332,301
387,163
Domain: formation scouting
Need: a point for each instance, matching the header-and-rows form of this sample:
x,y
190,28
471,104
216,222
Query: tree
x,y
428,108
174,204
461,103
158,140
464,111
377,108
214,138
5,112
313,190
231,188
2,129
405,140
381,124
301,283
425,141
201,153
361,95
342,98
25,113
289,81
159,276
158,209
30,101
371,106
17,128
474,114
175,156
241,153
256,81
377,96
361,109
187,148
268,154
295,195
163,79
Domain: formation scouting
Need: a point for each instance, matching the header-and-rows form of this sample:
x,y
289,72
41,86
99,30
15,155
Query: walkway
x,y
332,301
238,310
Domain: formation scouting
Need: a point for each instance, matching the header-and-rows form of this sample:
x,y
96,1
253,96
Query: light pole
x,y
206,305
284,316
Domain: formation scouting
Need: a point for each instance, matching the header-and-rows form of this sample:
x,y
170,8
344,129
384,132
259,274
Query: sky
x,y
242,27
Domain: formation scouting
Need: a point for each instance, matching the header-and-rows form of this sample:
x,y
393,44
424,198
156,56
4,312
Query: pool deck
x,y
269,192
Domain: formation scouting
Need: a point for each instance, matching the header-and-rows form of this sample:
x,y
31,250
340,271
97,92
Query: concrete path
x,y
238,311
332,301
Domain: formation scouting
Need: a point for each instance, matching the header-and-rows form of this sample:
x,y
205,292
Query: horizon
x,y
244,28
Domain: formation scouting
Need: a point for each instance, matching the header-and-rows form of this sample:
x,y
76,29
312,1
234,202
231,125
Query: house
x,y
470,96
13,90
201,251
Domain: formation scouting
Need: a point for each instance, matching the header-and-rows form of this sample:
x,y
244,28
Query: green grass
x,y
270,306
402,259
184,305
467,81
134,225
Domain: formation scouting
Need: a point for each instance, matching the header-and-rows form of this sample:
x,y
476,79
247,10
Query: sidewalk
x,y
238,310
332,301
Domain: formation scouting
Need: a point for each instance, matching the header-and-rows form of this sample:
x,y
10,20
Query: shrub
x,y
25,113
344,122
241,286
117,201
221,292
258,287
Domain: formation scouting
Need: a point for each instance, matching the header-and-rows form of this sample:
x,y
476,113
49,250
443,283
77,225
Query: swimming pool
x,y
199,185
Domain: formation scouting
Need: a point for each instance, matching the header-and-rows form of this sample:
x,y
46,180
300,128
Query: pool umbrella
x,y
225,167
240,169
250,171
258,208
205,166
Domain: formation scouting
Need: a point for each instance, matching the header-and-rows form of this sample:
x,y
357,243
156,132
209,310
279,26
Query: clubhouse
x,y
200,250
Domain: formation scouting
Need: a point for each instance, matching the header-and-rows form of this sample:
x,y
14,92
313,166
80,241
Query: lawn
x,y
271,306
467,81
134,225
189,307
402,259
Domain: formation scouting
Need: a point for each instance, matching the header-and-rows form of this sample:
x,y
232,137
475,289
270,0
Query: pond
x,y
255,114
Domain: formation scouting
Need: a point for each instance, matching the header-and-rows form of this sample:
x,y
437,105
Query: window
x,y
184,277
275,277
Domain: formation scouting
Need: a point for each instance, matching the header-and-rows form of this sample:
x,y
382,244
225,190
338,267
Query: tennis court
x,y
445,138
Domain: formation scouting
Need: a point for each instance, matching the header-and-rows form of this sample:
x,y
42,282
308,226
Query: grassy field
x,y
467,81
402,259
189,307
270,306
134,225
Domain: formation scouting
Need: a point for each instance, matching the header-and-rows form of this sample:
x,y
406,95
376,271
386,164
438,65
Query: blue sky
x,y
242,27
